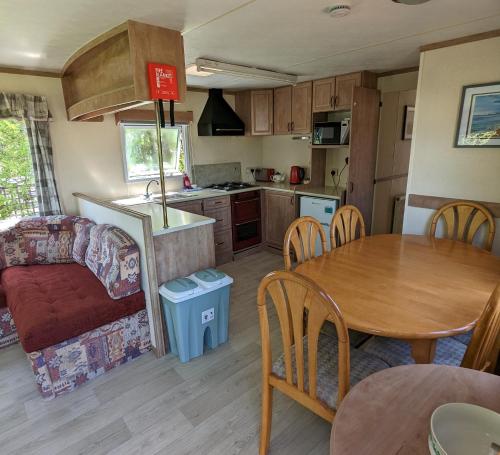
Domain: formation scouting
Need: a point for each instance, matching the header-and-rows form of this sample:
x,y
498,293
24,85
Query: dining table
x,y
389,412
410,287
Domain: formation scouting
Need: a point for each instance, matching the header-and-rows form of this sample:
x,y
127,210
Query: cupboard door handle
x,y
219,244
219,219
351,187
292,126
288,126
332,101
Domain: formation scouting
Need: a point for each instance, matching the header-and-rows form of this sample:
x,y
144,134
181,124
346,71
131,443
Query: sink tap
x,y
147,194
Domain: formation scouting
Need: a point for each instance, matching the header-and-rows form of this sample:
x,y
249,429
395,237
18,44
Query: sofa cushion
x,y
45,240
113,256
82,238
3,299
54,303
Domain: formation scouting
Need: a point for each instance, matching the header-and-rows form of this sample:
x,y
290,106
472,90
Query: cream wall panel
x,y
436,167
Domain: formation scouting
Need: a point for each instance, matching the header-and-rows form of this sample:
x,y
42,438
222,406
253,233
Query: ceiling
x,y
293,36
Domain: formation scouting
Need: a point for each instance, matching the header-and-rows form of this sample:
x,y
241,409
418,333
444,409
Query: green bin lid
x,y
209,275
180,285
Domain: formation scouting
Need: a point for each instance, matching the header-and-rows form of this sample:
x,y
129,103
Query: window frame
x,y
168,174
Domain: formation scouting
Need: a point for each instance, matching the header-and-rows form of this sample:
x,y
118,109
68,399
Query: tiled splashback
x,y
207,174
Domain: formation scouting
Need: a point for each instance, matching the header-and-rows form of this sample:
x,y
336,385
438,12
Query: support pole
x,y
159,116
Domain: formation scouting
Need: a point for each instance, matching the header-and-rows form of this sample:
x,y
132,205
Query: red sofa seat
x,y
54,303
3,299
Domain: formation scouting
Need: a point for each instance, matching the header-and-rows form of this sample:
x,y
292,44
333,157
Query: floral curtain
x,y
35,113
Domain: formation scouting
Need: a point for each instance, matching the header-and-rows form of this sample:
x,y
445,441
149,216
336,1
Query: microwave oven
x,y
331,133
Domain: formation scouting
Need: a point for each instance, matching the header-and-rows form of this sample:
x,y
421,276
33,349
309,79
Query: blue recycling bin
x,y
196,310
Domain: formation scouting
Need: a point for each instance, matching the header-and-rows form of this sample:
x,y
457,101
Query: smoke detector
x,y
410,2
339,9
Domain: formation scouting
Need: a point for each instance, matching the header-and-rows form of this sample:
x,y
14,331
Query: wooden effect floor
x,y
210,405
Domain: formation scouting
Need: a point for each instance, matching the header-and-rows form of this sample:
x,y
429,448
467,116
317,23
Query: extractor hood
x,y
218,118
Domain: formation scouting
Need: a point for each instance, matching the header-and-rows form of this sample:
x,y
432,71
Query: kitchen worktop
x,y
177,219
329,192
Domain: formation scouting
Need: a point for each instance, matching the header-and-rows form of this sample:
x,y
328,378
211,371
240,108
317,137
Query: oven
x,y
245,216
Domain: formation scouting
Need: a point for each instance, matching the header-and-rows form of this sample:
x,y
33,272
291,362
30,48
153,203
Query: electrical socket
x,y
207,315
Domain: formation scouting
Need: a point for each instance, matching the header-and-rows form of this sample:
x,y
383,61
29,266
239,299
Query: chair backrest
x,y
301,235
463,220
346,225
291,294
482,352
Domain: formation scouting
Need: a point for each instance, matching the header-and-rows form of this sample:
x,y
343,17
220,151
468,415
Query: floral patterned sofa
x,y
70,293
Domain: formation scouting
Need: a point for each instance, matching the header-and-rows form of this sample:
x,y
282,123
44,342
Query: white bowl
x,y
464,429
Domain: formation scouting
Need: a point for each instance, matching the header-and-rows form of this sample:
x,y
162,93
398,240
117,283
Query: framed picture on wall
x,y
479,119
408,122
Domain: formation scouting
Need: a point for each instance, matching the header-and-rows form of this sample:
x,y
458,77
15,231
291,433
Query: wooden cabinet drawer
x,y
223,241
190,206
216,202
222,217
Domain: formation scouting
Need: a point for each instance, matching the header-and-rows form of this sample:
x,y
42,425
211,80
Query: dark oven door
x,y
245,214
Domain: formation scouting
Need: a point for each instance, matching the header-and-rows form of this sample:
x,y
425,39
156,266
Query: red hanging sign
x,y
162,82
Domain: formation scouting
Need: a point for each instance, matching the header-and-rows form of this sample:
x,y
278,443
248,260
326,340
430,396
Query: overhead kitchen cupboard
x,y
335,93
255,108
292,109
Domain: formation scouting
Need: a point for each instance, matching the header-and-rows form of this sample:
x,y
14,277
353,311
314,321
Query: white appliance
x,y
323,210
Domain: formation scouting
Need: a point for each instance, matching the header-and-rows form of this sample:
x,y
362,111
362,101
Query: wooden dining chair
x,y
347,225
315,370
462,222
483,350
302,235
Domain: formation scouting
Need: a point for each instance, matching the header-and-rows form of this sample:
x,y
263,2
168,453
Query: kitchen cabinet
x,y
255,108
280,211
292,109
301,108
335,93
363,151
219,209
282,109
344,86
195,207
323,95
108,74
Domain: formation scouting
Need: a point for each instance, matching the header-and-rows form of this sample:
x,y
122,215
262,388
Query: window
x,y
140,150
17,184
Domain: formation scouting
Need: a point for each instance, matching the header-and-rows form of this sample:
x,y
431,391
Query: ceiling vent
x,y
340,9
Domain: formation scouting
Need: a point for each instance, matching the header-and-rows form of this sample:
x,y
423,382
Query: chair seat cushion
x,y
397,352
355,338
54,303
464,337
362,365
